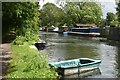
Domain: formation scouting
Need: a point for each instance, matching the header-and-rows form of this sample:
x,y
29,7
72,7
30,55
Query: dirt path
x,y
5,51
5,48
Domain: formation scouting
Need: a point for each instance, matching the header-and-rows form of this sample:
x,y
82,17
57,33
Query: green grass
x,y
29,63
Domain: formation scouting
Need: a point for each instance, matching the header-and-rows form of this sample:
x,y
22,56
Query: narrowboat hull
x,y
85,34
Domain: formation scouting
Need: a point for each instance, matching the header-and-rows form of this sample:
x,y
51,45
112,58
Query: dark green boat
x,y
73,66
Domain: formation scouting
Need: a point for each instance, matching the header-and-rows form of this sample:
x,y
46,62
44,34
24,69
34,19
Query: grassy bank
x,y
29,63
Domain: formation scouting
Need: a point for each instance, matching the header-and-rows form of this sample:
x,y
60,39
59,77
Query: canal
x,y
70,47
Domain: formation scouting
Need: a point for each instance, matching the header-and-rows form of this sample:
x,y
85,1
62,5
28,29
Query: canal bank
x,y
28,63
72,47
21,61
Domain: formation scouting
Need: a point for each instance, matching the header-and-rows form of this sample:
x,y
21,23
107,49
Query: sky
x,y
108,5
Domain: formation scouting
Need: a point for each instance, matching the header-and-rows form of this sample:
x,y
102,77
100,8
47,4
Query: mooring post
x,y
78,68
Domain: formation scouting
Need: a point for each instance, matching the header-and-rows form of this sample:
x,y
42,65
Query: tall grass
x,y
29,63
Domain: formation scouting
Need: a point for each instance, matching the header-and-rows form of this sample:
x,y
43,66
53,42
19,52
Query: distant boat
x,y
41,45
73,66
93,32
65,33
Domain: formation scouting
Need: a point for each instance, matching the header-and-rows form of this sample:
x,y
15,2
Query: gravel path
x,y
5,51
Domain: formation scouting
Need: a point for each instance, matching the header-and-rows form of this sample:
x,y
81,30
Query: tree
x,y
110,17
118,11
21,17
102,23
83,12
114,22
70,13
51,15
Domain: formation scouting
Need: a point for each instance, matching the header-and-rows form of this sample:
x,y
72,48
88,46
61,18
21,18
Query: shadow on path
x,y
5,49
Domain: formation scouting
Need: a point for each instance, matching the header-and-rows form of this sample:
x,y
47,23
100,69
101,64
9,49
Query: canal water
x,y
70,47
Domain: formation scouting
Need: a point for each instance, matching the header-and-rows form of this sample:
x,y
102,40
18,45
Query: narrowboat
x,y
92,32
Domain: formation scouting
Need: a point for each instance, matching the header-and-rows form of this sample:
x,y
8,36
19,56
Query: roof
x,y
64,26
86,25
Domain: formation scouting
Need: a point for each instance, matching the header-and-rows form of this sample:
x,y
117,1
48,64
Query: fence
x,y
111,33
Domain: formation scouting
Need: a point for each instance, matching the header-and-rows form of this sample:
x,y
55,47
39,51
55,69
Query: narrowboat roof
x,y
85,25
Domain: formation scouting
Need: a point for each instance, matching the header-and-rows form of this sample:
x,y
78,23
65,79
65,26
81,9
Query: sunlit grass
x,y
29,63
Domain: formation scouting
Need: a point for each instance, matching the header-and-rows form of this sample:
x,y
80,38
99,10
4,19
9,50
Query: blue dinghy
x,y
73,66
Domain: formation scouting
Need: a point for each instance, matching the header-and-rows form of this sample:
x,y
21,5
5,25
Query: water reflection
x,y
70,47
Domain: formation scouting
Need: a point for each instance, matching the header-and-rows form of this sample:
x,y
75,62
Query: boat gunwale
x,y
81,65
78,66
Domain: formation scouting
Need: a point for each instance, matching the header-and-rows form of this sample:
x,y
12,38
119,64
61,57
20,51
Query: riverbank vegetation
x,y
21,20
29,63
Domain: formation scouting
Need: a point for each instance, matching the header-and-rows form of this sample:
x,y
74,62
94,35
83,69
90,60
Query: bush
x,y
31,38
19,40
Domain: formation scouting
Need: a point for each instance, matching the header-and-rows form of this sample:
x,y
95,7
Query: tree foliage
x,y
70,13
110,17
118,11
21,17
102,23
83,12
51,15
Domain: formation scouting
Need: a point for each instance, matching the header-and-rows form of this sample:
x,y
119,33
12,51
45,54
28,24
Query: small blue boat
x,y
73,66
65,33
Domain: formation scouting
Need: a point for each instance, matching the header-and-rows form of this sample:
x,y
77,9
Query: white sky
x,y
45,1
108,5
